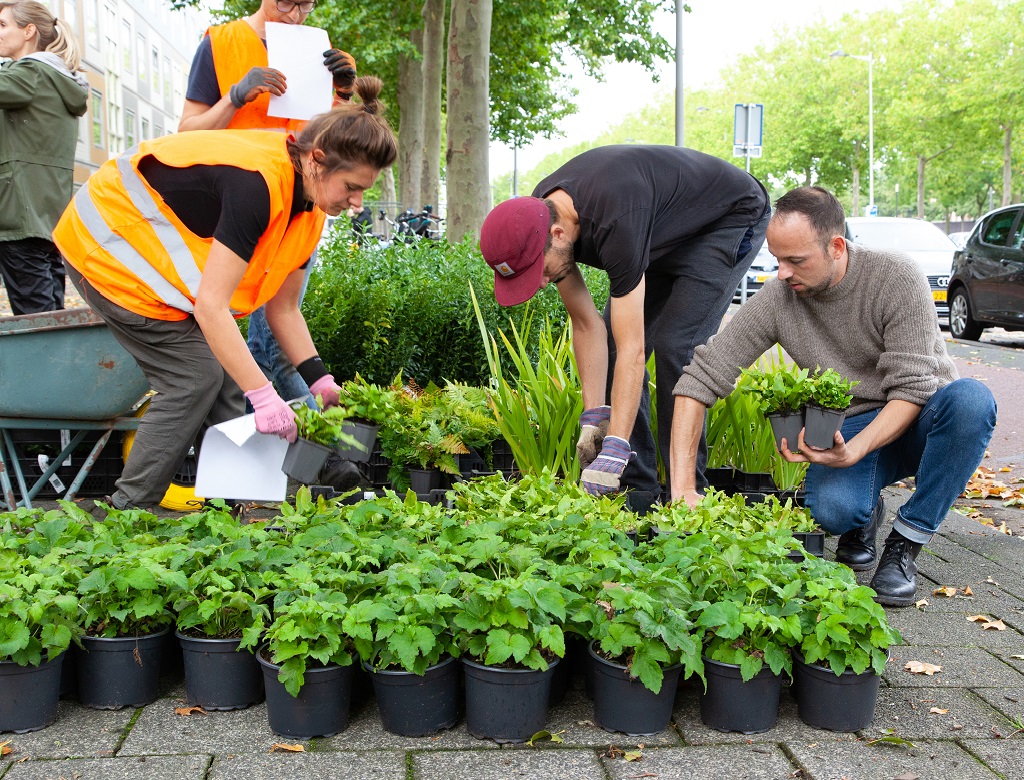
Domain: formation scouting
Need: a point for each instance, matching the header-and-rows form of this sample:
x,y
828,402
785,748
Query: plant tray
x,y
723,479
102,476
756,482
813,542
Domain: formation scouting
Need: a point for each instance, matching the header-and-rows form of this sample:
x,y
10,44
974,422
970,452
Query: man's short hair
x,y
822,209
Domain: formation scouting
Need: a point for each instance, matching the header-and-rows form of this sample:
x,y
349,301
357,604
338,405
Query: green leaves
x,y
829,390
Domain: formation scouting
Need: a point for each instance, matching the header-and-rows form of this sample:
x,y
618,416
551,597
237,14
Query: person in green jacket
x,y
42,95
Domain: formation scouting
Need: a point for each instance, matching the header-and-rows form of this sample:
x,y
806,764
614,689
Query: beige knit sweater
x,y
877,326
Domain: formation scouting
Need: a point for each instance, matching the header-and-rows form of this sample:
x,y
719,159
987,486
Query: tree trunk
x,y
433,69
1007,163
410,129
921,160
469,35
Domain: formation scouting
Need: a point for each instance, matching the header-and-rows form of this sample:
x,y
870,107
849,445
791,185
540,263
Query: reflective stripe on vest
x,y
92,219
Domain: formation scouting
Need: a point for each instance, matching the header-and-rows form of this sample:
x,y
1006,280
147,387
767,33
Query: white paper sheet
x,y
298,52
236,461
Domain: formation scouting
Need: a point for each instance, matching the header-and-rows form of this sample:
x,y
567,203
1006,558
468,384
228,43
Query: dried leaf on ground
x,y
5,748
946,591
921,603
633,755
938,711
996,625
545,735
907,776
968,591
284,746
189,710
978,618
920,667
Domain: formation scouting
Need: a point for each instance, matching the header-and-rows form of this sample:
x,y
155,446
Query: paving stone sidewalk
x,y
963,723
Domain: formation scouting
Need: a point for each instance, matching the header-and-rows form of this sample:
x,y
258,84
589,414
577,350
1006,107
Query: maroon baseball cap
x,y
512,240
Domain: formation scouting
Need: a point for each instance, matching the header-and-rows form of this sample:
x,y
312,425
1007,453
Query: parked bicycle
x,y
409,226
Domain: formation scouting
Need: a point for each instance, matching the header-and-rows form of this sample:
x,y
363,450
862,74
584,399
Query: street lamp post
x,y
869,59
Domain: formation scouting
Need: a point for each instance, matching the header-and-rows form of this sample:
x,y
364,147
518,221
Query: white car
x,y
924,242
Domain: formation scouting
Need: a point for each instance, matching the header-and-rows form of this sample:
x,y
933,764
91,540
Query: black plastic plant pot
x,y
825,700
506,705
721,479
754,482
424,480
822,425
730,704
30,695
623,704
365,434
69,674
219,676
303,460
320,709
120,671
813,542
787,426
413,705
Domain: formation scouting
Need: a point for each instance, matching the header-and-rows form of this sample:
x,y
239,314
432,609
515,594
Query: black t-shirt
x,y
636,204
229,204
202,77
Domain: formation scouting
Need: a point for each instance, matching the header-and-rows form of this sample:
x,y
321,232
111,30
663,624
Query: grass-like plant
x,y
538,407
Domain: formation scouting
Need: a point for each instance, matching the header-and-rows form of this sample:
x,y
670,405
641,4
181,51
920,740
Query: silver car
x,y
924,242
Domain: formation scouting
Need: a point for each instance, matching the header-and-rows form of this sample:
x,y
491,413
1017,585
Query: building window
x,y
97,118
92,23
145,129
129,129
167,77
71,14
156,70
140,56
126,46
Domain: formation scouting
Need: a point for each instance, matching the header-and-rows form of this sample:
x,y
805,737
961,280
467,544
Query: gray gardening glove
x,y
593,428
255,83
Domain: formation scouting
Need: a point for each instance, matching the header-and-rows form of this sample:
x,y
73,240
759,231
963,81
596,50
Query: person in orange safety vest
x,y
171,241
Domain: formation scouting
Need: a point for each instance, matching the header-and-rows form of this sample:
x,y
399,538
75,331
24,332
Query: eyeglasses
x,y
287,6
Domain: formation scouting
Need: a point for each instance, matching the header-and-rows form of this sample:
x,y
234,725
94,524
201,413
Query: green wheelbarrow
x,y
62,370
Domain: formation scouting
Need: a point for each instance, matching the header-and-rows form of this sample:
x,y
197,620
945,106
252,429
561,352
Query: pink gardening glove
x,y
273,415
327,389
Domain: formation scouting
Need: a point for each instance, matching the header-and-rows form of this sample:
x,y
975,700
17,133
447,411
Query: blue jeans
x,y
941,450
271,359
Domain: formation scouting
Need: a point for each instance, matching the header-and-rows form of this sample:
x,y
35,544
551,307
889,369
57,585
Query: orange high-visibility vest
x,y
237,49
122,237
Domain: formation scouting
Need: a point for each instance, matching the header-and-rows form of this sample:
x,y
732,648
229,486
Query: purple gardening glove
x,y
604,473
273,415
327,390
593,427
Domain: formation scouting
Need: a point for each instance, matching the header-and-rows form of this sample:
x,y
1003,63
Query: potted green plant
x,y
782,391
366,407
402,633
319,433
642,640
750,623
125,607
305,655
38,622
224,598
830,398
844,647
509,632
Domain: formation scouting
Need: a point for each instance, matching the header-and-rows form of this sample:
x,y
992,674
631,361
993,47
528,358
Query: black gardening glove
x,y
255,83
342,66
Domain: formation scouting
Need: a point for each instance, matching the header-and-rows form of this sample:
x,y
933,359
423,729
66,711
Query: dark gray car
x,y
987,285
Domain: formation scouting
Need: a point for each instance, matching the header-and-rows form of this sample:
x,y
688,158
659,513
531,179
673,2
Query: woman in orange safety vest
x,y
172,240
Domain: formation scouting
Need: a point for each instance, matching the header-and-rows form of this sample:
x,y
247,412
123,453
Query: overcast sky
x,y
715,34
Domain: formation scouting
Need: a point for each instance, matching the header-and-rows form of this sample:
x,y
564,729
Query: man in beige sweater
x,y
869,315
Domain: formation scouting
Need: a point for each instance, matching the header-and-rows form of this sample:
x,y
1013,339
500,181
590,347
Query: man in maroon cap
x,y
675,230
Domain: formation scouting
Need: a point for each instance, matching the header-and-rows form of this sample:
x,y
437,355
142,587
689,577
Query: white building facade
x,y
136,56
